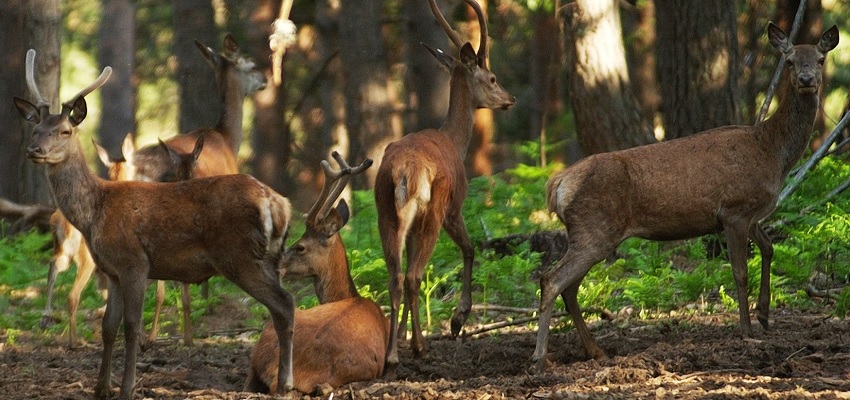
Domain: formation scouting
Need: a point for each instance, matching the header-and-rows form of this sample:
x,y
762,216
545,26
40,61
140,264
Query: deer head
x,y
486,91
122,168
320,241
229,60
804,62
52,134
182,164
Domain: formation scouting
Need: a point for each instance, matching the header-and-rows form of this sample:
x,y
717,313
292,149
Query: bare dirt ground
x,y
802,356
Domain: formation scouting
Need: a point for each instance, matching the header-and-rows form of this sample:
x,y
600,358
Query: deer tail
x,y
412,185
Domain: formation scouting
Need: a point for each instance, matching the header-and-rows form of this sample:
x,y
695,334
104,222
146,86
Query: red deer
x,y
421,185
344,338
231,225
237,78
723,179
68,243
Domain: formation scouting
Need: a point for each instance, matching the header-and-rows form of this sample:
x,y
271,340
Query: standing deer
x,y
188,231
68,243
421,185
342,340
237,77
723,179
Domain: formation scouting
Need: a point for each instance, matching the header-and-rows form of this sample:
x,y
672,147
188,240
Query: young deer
x,y
231,225
421,185
724,179
237,78
343,339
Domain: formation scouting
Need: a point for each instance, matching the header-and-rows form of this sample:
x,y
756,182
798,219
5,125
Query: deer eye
x,y
65,133
299,248
492,80
820,60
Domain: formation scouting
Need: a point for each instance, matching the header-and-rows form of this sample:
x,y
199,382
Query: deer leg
x,y
760,238
58,263
111,319
160,298
736,239
456,229
262,284
420,245
392,246
133,293
187,315
85,268
567,274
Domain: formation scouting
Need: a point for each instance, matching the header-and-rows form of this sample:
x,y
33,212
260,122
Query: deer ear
x,y
102,154
199,146
208,53
78,111
468,57
230,48
175,158
336,219
445,60
27,110
778,38
128,148
828,40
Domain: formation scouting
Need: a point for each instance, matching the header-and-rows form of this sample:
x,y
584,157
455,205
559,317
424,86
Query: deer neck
x,y
790,127
230,123
337,284
461,114
76,190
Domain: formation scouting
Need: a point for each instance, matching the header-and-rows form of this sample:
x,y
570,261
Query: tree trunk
x,y
199,100
607,113
370,96
43,26
697,64
757,70
484,127
428,82
117,48
544,64
12,50
639,26
271,135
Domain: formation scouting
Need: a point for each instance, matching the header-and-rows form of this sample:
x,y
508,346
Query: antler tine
x,y
104,76
483,50
442,20
310,218
30,72
341,180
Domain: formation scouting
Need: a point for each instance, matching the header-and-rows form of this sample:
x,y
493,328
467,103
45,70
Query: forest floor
x,y
804,355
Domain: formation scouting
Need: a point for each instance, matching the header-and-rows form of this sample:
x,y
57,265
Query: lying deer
x,y
69,245
237,78
188,231
421,185
342,340
724,179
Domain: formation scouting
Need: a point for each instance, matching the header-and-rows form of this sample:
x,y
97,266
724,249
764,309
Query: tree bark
x,y
116,47
43,30
607,113
544,64
697,64
370,96
199,100
484,127
12,50
427,80
639,26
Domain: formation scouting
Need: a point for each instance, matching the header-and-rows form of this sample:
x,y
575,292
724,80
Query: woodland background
x,y
589,76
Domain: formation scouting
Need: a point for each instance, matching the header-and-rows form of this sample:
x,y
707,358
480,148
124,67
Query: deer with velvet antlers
x,y
342,340
421,185
231,225
723,179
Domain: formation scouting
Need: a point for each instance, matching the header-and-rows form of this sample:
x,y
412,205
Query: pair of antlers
x,y
43,104
483,51
335,181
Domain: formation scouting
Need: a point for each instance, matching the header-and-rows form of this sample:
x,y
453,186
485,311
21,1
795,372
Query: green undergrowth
x,y
647,278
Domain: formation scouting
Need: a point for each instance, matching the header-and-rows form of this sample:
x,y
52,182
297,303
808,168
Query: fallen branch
x,y
25,216
833,294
